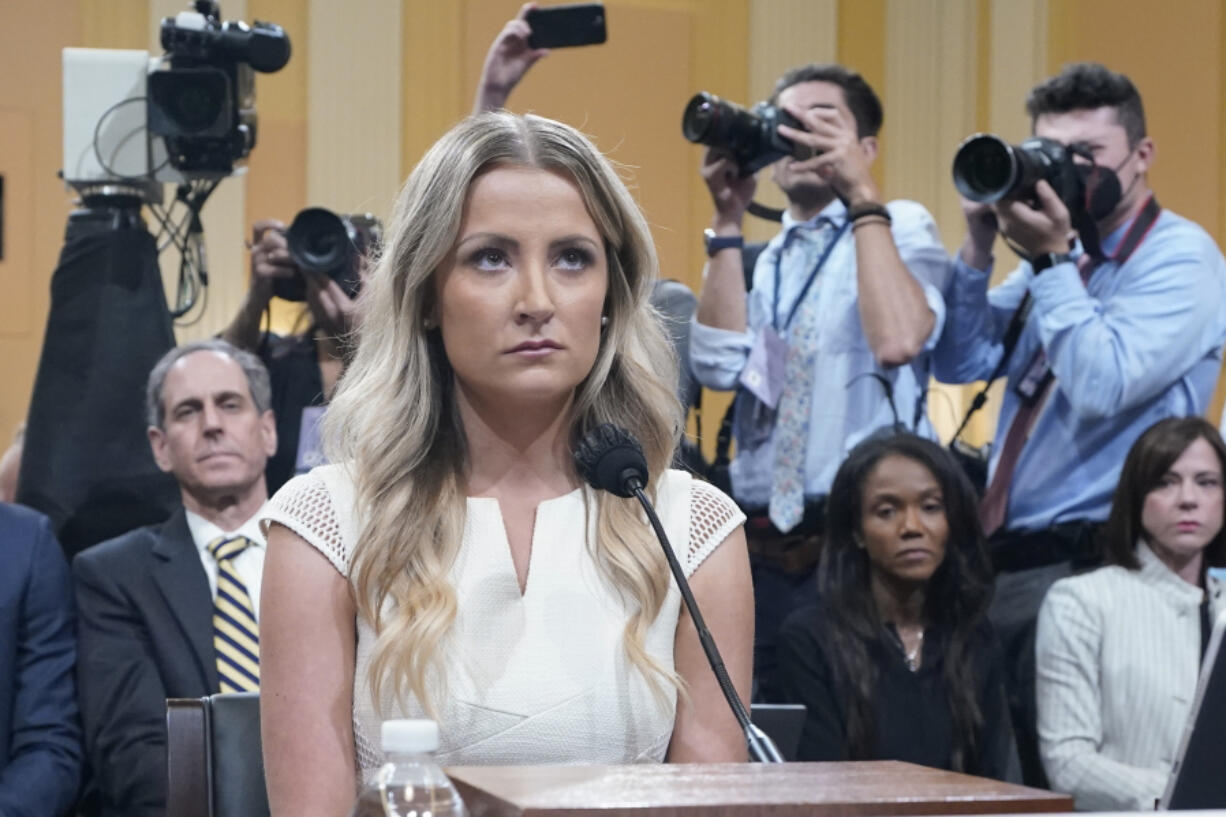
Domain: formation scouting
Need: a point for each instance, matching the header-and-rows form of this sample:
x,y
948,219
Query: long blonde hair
x,y
395,424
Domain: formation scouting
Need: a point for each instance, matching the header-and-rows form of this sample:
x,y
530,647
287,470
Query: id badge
x,y
310,449
763,374
1034,382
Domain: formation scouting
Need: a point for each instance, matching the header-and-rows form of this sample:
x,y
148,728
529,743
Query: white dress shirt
x,y
249,563
1118,654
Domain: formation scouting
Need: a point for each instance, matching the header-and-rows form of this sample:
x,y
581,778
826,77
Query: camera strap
x,y
1137,232
1008,343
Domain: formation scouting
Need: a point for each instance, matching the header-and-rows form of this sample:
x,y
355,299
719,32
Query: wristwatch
x,y
1048,259
715,243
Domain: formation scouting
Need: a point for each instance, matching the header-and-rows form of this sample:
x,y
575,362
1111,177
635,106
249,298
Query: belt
x,y
1075,542
796,551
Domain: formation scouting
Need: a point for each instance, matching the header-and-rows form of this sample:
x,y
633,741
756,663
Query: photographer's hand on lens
x,y
1037,231
508,59
332,310
839,156
270,260
270,257
731,192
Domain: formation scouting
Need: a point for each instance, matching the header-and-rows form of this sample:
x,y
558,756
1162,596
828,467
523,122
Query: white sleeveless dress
x,y
540,677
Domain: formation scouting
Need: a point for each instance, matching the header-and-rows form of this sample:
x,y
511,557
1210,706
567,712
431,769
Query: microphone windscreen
x,y
609,458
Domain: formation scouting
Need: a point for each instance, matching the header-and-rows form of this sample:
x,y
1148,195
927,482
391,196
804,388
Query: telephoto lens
x,y
751,136
987,169
321,241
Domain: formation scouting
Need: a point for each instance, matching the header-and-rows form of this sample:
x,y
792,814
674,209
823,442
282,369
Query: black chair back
x,y
215,765
783,723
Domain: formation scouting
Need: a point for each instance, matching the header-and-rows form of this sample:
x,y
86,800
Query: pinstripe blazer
x,y
1117,660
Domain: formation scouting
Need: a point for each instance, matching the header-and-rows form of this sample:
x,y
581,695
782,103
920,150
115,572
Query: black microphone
x,y
610,459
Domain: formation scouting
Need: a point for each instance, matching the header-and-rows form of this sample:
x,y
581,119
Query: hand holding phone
x,y
567,25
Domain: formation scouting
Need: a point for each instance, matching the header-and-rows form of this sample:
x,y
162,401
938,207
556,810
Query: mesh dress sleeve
x,y
306,506
713,516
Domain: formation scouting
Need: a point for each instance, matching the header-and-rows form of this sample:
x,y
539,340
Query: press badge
x,y
764,371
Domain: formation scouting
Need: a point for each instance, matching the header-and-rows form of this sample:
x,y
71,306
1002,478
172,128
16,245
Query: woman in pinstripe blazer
x,y
1119,649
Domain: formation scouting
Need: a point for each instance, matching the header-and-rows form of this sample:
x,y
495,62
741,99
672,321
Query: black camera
x,y
988,169
335,245
751,136
203,101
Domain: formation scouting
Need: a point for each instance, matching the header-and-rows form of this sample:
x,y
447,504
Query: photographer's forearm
x,y
722,304
893,310
975,254
244,330
490,98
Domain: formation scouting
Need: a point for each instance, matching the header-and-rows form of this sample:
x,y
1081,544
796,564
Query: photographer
x,y
1115,340
832,340
304,366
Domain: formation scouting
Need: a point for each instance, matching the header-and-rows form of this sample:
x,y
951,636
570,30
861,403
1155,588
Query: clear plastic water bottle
x,y
410,784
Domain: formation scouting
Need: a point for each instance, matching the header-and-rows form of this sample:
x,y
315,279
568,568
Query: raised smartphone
x,y
567,25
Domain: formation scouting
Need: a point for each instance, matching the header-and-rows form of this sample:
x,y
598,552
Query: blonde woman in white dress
x,y
451,563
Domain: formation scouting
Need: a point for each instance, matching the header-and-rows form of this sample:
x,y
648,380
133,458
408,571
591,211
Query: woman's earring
x,y
604,320
427,324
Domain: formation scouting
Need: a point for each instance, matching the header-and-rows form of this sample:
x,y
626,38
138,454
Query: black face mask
x,y
1103,191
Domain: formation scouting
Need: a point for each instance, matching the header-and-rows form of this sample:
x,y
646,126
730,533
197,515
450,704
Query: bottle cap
x,y
409,736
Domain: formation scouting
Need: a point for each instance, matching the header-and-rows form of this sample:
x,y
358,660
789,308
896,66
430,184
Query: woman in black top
x,y
897,660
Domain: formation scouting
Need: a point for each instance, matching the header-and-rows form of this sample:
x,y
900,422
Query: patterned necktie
x,y
236,636
995,502
787,503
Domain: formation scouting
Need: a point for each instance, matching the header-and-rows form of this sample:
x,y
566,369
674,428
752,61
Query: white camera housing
x,y
106,123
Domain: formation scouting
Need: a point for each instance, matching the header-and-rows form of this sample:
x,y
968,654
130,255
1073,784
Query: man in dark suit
x,y
40,737
169,611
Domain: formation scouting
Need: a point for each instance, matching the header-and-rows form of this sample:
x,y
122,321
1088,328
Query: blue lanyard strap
x,y
821,262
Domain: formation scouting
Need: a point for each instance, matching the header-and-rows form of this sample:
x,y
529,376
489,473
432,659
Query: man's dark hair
x,y
861,98
1148,461
1085,86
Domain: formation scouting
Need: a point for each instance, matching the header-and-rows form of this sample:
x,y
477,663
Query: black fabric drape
x,y
86,461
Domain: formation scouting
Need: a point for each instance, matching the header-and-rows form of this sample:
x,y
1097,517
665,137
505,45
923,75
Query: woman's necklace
x,y
913,655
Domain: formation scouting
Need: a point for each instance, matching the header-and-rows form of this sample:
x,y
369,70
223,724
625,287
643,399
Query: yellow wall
x,y
372,84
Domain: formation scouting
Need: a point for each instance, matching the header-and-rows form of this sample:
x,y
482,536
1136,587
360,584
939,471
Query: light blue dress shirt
x,y
847,404
1140,342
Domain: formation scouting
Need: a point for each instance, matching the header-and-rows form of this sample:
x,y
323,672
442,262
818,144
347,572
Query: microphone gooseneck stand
x,y
761,747
610,459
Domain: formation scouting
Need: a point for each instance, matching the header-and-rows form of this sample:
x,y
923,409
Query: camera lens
x,y
319,240
321,249
985,168
195,107
699,118
192,101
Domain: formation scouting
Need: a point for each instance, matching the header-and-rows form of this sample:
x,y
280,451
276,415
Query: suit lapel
x,y
181,579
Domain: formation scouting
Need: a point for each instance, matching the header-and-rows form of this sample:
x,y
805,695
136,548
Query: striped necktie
x,y
236,636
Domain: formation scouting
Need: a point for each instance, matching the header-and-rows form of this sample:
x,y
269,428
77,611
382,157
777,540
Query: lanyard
x,y
812,275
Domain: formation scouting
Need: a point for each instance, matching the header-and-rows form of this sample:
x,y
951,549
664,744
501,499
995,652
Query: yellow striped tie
x,y
236,636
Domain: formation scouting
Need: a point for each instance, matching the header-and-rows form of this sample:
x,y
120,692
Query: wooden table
x,y
780,790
